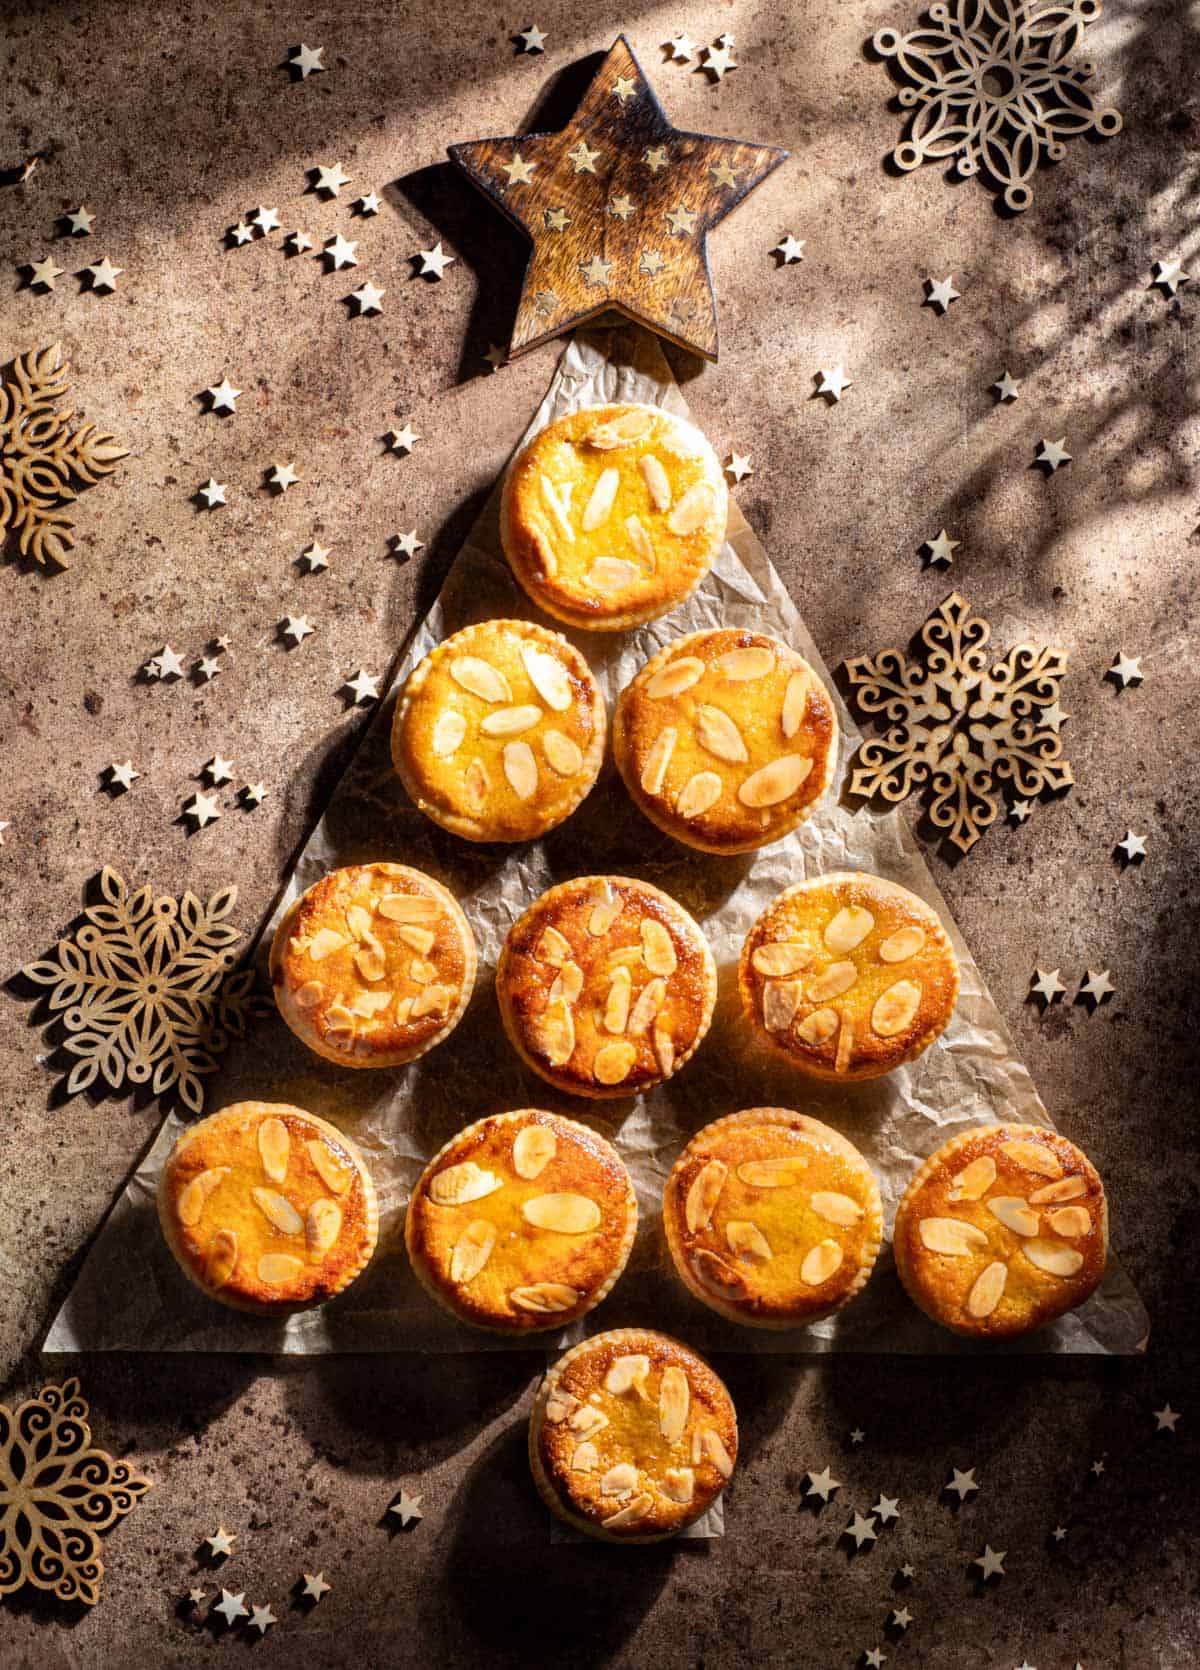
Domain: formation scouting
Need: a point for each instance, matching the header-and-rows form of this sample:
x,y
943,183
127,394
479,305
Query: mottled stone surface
x,y
171,122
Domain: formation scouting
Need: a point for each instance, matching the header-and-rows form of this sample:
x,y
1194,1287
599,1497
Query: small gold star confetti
x,y
408,1509
104,274
368,204
121,777
822,1484
1095,989
231,1607
368,299
298,242
403,440
886,1509
1133,847
833,383
961,1484
900,1618
297,628
261,1619
79,222
990,1562
340,252
941,550
213,493
220,1544
202,809
681,48
532,39
1007,388
43,273
253,795
1168,276
789,249
362,687
266,220
315,557
218,770
306,61
1125,670
1047,985
315,1586
718,60
861,1530
406,545
1053,454
223,397
329,181
1166,1418
941,293
621,206
739,466
282,476
434,261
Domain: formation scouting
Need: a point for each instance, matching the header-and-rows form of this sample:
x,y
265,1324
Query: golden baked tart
x,y
772,1218
606,986
523,1221
373,965
847,976
726,739
268,1208
499,733
1001,1230
611,515
632,1436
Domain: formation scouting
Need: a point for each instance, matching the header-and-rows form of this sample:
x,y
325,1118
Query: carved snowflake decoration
x,y
958,726
144,991
40,456
991,83
56,1494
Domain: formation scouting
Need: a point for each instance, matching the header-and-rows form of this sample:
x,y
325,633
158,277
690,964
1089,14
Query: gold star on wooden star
x,y
618,146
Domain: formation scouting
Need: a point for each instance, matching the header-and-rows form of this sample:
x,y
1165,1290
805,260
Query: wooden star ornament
x,y
618,147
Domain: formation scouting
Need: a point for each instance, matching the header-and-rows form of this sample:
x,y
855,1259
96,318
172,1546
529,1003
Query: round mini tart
x,y
613,514
1001,1230
522,1222
498,735
847,976
772,1219
373,965
606,986
726,740
632,1436
268,1208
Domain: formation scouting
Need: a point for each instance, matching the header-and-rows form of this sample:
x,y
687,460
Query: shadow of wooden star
x,y
618,207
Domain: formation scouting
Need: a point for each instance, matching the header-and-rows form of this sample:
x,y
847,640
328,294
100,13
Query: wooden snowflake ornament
x,y
618,207
959,723
57,1492
41,457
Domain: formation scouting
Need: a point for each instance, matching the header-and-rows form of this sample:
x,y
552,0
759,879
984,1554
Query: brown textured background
x,y
170,122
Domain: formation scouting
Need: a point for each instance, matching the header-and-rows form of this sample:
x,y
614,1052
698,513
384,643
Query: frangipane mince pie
x,y
632,1436
1001,1230
726,739
772,1218
373,965
498,735
523,1221
613,514
268,1208
606,986
848,975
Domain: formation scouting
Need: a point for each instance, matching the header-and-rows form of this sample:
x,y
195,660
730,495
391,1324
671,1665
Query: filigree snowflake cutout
x,y
41,456
56,1494
144,990
991,84
959,726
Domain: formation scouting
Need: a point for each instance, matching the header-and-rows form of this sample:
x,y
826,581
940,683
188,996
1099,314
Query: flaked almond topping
x,y
1034,1156
620,1480
193,1198
821,1262
547,1298
310,994
431,1000
600,503
274,1149
559,1404
835,1208
339,1021
480,678
692,510
521,770
511,721
656,481
548,676
417,939
557,509
408,907
641,541
780,1000
795,701
476,785
220,1258
845,1043
1014,1213
613,1061
403,1010
1070,1188
900,946
895,1008
322,1228
1053,1257
366,1005
819,1027
424,973
630,1514
619,431
562,755
324,943
567,1214
780,958
534,1146
471,1252
716,732
848,928
604,913
746,1239
371,962
741,664
358,919
773,783
552,947
611,574
568,983
658,948
279,1212
674,1399
585,1458
987,1291
664,1050
679,1484
953,1237
553,1034
713,1447
649,1002
334,1175
658,757
1071,1221
627,1374
587,1419
974,1180
699,795
449,729
673,679
277,1268
703,1195
616,1010
778,1173
831,982
457,1184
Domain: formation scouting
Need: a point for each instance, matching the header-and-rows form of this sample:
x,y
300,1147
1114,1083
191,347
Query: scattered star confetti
x,y
721,174
583,159
368,204
307,61
906,1573
520,172
296,628
961,1483
1007,388
596,271
941,293
624,88
315,556
1053,454
1097,1468
79,222
900,1618
298,242
857,1436
406,545
195,1597
556,220
368,298
315,1586
1020,810
44,272
434,261
282,476
213,493
1059,1533
330,180
990,1562
655,158
941,550
407,1509
532,39
886,1509
1169,276
253,794
682,221
403,440
1126,670
790,249
223,397
340,252
874,1658
122,776
834,383
1095,989
862,1530
495,356
718,61
231,1608
651,262
739,466
266,220
363,686
822,1484
220,1544
1047,986
168,663
220,646
261,1619
1166,1418
241,233
104,274
1133,846
621,206
218,770
681,48
202,809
